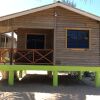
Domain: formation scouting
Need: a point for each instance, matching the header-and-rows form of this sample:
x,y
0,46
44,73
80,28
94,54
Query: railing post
x,y
0,55
11,50
11,56
33,56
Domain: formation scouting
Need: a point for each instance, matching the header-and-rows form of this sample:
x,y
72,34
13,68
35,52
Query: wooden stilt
x,y
21,73
11,78
97,79
49,73
55,78
80,75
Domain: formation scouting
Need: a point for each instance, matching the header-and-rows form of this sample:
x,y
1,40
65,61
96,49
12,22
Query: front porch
x,y
26,56
34,46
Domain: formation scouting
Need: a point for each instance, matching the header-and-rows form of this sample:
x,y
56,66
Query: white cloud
x,y
12,6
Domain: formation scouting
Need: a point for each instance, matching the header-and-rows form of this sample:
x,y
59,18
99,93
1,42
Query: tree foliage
x,y
67,2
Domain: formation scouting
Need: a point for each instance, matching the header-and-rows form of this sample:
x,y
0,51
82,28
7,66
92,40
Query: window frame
x,y
79,29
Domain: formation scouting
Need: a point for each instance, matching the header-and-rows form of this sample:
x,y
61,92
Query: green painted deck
x,y
54,69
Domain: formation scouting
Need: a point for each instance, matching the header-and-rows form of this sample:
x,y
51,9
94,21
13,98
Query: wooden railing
x,y
4,55
27,56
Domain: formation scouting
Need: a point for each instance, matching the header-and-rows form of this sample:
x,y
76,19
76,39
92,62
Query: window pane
x,y
83,39
78,39
72,39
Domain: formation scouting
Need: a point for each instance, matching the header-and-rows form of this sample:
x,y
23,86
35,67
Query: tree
x,y
67,2
70,2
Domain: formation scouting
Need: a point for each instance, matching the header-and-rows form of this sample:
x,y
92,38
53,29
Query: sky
x,y
13,6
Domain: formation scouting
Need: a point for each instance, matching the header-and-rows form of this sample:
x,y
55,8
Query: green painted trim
x,y
48,68
54,69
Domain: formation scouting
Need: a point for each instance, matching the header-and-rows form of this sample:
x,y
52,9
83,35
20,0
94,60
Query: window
x,y
77,38
35,41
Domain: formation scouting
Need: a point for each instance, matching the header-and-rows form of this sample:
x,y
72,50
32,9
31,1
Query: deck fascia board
x,y
49,68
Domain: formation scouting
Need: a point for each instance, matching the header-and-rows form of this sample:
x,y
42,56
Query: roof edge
x,y
33,10
84,13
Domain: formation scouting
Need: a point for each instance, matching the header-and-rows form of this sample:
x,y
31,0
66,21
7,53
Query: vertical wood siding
x,y
65,19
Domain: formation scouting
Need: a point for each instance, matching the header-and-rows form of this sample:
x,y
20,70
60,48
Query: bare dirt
x,y
36,87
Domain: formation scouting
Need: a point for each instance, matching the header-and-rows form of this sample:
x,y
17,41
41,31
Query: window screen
x,y
77,38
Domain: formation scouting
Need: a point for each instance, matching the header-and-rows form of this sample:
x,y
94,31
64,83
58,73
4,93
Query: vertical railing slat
x,y
41,54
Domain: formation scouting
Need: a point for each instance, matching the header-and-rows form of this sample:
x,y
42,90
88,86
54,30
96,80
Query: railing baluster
x,y
0,55
4,55
27,56
33,56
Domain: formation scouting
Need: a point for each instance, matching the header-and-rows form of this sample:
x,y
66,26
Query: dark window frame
x,y
73,29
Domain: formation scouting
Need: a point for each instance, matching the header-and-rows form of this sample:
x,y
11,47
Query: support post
x,y
20,74
49,73
0,56
5,43
97,79
55,78
11,78
80,75
55,32
11,51
24,72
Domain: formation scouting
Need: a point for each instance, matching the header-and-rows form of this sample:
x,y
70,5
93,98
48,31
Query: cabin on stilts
x,y
54,34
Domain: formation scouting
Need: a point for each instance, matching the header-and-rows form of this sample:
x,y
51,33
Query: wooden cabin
x,y
55,34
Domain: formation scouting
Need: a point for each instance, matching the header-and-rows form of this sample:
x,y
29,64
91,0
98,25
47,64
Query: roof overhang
x,y
48,7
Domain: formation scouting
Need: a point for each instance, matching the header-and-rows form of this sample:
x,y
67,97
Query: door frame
x,y
36,34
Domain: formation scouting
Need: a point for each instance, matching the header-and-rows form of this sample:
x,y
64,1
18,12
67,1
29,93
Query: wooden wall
x,y
64,19
66,56
22,37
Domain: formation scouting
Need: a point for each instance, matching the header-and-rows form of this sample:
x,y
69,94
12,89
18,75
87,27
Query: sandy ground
x,y
40,88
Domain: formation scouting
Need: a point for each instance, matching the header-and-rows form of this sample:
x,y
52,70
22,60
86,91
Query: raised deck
x,y
55,69
26,56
